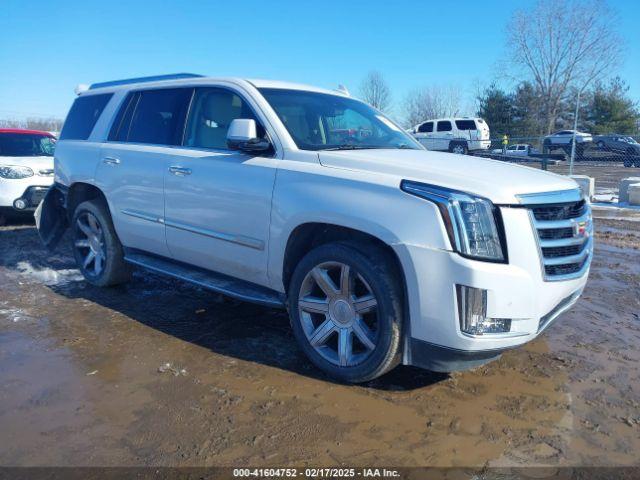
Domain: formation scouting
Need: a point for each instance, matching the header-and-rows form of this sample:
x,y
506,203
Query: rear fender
x,y
51,217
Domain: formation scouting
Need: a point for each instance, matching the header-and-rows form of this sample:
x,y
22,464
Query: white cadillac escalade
x,y
297,197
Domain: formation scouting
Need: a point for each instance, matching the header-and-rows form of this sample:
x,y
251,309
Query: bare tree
x,y
49,124
563,45
375,91
432,102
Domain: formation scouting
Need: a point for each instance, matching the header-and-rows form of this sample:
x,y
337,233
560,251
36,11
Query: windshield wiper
x,y
348,146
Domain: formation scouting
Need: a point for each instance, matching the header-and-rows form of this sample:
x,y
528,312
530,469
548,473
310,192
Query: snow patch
x,y
49,276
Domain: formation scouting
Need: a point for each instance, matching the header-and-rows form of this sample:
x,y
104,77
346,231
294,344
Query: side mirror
x,y
242,135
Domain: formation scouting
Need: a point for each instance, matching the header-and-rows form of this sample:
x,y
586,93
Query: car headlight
x,y
15,172
473,223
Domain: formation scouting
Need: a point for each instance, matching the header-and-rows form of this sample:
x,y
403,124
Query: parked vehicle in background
x,y
622,144
456,135
518,149
26,169
291,195
563,139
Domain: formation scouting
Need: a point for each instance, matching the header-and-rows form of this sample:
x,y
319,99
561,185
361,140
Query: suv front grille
x,y
559,212
564,234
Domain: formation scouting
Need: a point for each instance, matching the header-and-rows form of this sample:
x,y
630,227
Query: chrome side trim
x,y
142,215
239,239
560,196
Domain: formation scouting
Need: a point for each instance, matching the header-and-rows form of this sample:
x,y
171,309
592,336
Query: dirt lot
x,y
162,373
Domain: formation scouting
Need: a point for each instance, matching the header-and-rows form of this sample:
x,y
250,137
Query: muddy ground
x,y
161,373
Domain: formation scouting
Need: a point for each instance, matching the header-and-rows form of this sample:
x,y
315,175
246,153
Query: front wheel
x,y
96,248
345,304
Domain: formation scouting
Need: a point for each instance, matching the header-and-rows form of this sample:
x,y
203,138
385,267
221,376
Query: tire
x,y
323,323
96,248
627,162
459,148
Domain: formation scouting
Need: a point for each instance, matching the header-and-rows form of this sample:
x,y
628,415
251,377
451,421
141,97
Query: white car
x,y
456,135
306,199
564,138
518,149
26,168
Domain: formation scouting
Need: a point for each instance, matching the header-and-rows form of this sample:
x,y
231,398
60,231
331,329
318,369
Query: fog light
x,y
20,204
472,311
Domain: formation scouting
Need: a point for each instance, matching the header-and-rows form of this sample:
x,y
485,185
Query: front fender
x,y
51,217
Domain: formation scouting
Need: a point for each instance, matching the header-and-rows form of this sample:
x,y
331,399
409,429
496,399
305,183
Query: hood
x,y
34,163
498,181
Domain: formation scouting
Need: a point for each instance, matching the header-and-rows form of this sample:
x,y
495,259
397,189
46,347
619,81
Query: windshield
x,y
320,121
26,145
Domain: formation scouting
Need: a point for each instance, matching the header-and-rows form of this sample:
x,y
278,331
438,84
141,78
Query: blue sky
x,y
47,48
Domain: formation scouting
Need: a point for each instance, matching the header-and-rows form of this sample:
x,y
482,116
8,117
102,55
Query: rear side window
x,y
466,125
83,116
444,126
426,127
152,116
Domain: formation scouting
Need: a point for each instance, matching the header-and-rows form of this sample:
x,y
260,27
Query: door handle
x,y
111,161
180,171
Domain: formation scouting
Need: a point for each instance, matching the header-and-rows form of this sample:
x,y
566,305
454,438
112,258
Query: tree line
x,y
562,55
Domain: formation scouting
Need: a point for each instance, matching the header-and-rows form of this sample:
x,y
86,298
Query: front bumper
x,y
515,291
31,189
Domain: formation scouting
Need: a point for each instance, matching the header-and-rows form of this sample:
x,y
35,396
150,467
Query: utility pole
x,y
575,128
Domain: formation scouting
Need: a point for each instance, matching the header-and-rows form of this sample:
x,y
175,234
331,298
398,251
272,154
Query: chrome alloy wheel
x,y
338,312
89,242
458,149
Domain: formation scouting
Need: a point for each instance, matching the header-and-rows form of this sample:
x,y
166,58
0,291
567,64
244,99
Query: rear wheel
x,y
459,147
345,304
96,248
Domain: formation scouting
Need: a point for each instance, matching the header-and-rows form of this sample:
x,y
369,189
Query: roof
x,y
25,131
193,79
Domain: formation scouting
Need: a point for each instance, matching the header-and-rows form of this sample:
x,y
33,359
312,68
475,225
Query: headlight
x,y
471,222
15,172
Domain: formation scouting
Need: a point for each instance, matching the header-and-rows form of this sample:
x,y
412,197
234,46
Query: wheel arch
x,y
307,236
81,192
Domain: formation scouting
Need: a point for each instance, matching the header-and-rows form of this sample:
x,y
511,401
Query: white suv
x,y
456,135
306,199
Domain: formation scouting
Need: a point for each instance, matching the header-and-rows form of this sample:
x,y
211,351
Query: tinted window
x,y
159,116
122,123
83,116
466,125
212,112
26,145
444,126
426,127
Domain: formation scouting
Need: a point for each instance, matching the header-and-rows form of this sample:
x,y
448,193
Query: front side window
x,y
321,121
426,127
212,111
26,145
444,126
158,117
83,116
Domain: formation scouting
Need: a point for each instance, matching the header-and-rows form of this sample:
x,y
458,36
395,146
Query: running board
x,y
232,287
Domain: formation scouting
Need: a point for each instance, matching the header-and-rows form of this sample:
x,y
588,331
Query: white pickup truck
x,y
306,199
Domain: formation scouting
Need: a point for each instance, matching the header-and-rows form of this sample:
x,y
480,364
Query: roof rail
x,y
155,78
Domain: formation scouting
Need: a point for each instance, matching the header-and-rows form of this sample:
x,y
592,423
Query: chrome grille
x,y
562,222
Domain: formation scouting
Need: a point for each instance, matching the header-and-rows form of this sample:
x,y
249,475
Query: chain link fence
x,y
606,158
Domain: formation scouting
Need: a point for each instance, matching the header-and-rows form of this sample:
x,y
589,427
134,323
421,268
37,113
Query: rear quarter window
x,y
83,116
466,125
